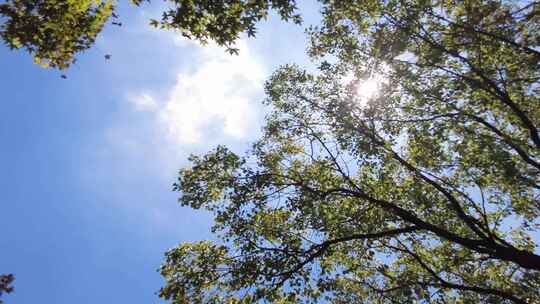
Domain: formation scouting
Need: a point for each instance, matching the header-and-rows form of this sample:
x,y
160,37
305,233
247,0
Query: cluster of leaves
x,y
429,192
222,21
53,31
5,284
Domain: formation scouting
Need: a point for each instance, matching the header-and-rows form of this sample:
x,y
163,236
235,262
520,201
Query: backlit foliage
x,y
429,193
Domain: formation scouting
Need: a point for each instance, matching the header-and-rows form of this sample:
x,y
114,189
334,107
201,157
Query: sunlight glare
x,y
368,88
365,89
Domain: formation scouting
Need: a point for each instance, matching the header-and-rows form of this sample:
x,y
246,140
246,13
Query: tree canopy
x,y
427,191
54,32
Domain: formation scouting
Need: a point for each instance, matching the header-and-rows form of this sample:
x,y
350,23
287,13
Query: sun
x,y
368,88
365,89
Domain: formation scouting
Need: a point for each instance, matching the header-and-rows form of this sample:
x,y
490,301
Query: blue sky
x,y
88,162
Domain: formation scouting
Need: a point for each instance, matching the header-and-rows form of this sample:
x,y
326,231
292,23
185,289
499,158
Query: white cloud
x,y
143,102
217,96
211,98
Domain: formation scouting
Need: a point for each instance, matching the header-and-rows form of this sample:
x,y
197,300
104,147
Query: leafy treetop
x,y
54,32
429,192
